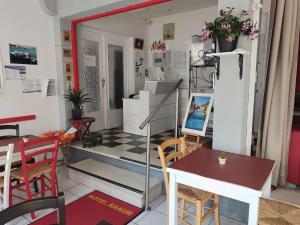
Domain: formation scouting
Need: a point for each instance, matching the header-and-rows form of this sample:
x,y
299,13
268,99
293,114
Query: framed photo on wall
x,y
67,53
197,113
68,67
66,36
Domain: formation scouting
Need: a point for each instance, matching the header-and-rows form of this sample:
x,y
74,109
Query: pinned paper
x,y
15,72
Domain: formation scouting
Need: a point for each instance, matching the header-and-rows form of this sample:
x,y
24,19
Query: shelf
x,y
201,66
222,54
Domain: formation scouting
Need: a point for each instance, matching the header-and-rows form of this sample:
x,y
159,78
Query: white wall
x,y
24,22
186,24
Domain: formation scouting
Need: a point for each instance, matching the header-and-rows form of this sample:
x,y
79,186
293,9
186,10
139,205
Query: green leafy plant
x,y
26,136
229,27
77,98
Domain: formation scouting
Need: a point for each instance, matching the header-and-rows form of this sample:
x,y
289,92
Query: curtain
x,y
274,135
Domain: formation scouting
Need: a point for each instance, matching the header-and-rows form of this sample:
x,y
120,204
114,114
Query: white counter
x,y
135,112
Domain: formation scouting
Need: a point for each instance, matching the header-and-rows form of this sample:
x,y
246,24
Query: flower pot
x,y
25,139
76,114
222,161
227,46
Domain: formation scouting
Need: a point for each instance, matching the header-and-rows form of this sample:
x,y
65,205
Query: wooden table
x,y
83,126
16,154
243,178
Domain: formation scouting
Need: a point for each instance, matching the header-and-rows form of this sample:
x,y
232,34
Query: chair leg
x,y
217,212
42,186
53,185
199,207
10,195
36,187
29,196
183,205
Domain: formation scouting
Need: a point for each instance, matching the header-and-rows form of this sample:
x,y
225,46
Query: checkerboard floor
x,y
118,144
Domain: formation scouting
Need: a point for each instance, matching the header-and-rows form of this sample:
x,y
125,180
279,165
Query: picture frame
x,y
139,43
67,53
68,67
67,36
22,54
197,113
168,31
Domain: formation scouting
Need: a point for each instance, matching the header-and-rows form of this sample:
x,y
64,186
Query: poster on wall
x,y
15,72
51,90
197,114
31,86
20,54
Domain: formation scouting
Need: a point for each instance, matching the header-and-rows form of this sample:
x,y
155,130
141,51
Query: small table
x,y
243,178
83,126
16,154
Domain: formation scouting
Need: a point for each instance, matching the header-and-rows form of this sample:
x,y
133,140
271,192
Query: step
x,y
123,184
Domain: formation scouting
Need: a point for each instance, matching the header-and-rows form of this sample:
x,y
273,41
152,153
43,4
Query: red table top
x,y
242,170
16,142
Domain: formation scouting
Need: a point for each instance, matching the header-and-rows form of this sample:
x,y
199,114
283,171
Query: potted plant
x,y
222,158
227,28
77,98
25,138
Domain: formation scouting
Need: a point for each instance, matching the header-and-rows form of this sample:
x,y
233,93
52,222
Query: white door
x,y
91,76
116,82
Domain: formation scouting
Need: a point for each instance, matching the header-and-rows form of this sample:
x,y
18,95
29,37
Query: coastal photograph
x,y
197,113
22,54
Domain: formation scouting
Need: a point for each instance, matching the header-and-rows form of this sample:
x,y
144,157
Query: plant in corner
x,y
227,28
77,98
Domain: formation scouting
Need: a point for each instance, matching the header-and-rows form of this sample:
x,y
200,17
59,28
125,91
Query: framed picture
x,y
138,43
67,53
66,36
21,54
168,31
68,67
197,113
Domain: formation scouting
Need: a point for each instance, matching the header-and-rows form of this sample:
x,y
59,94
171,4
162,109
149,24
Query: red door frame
x,y
101,15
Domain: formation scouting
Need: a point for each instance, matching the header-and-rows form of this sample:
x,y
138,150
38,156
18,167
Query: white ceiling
x,y
172,7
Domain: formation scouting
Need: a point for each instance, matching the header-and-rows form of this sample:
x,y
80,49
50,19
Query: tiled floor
x,y
120,145
157,216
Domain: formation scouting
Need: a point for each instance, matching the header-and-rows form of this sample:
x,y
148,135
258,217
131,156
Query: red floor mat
x,y
93,209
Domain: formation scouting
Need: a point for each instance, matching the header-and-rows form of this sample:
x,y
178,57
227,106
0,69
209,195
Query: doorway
x,y
102,76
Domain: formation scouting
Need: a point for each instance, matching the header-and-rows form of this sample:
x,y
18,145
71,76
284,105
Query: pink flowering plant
x,y
229,27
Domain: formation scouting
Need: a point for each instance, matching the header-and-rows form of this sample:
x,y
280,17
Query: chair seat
x,y
274,212
34,172
193,194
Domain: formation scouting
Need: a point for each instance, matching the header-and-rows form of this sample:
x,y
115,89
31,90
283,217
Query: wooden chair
x,y
16,164
10,127
34,205
5,175
187,194
37,171
273,212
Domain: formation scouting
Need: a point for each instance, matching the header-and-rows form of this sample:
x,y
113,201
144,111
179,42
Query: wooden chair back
x,y
47,154
168,155
10,127
8,150
34,205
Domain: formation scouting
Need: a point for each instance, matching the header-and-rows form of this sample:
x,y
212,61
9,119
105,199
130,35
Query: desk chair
x,y
187,194
23,208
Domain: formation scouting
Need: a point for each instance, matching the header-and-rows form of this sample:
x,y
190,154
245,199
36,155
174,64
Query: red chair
x,y
45,151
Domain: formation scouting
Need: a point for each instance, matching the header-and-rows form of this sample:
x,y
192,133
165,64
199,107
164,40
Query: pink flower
x,y
206,34
230,38
246,26
254,33
225,27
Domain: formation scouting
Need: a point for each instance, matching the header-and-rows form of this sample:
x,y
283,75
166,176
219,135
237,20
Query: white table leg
x,y
172,199
253,212
266,191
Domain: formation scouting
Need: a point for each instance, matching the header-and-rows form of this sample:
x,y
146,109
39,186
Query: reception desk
x,y
135,111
